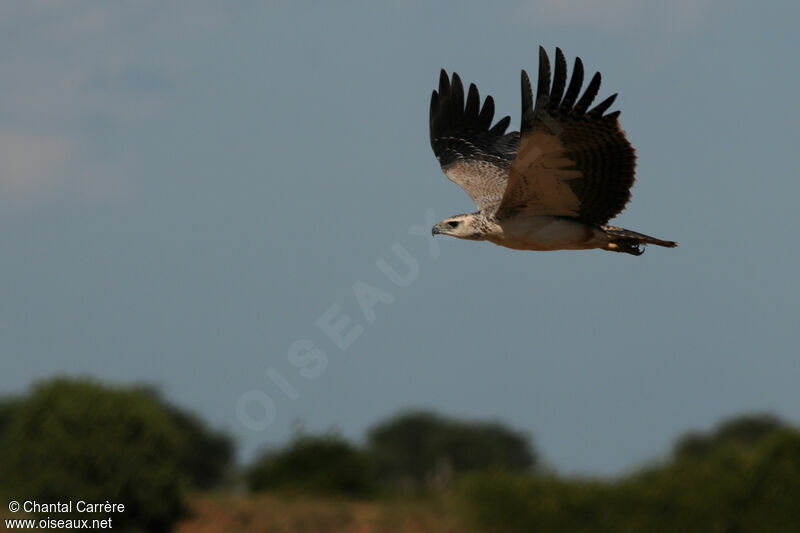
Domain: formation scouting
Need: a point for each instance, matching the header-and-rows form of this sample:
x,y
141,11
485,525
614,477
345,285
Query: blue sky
x,y
187,188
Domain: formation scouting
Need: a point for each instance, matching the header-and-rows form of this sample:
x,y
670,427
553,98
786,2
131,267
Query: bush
x,y
744,431
512,502
207,455
412,447
322,464
8,408
747,479
78,440
774,485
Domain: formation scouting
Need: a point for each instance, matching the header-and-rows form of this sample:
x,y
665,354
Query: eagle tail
x,y
630,242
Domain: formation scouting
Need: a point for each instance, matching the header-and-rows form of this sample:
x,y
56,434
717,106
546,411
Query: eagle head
x,y
460,226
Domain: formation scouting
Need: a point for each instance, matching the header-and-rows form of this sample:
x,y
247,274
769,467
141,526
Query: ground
x,y
302,514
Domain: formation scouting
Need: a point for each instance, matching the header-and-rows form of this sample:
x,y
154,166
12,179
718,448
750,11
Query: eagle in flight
x,y
553,185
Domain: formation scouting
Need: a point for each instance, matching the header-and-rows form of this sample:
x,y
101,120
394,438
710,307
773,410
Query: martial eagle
x,y
551,186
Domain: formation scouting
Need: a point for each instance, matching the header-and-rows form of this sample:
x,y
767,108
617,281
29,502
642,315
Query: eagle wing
x,y
571,161
473,153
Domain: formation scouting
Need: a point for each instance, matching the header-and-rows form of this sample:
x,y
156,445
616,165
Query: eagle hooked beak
x,y
435,230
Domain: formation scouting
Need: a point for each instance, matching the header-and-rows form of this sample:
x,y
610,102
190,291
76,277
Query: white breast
x,y
548,233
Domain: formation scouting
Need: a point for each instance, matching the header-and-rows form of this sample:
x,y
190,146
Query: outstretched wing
x,y
473,153
571,161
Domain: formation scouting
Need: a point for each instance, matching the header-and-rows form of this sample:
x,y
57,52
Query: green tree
x,y
76,439
774,485
413,446
746,430
8,408
744,477
319,464
207,455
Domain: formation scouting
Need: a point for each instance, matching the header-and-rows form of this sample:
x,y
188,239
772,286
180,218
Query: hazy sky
x,y
188,188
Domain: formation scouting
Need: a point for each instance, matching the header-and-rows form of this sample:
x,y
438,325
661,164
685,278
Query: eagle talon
x,y
632,247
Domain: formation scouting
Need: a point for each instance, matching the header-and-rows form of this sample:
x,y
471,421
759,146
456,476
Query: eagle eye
x,y
453,223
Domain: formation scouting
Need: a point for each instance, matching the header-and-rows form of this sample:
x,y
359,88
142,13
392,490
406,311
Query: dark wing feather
x,y
588,96
574,85
570,162
559,80
499,130
543,87
473,153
